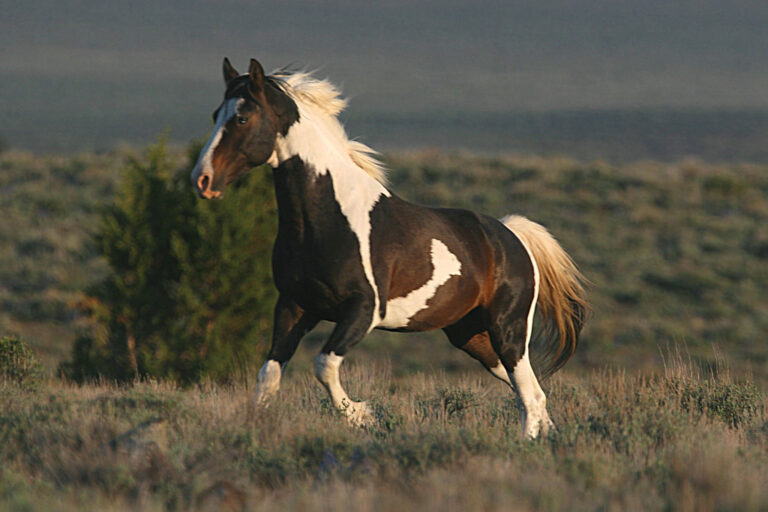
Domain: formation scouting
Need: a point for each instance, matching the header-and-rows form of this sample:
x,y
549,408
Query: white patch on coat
x,y
319,140
327,372
268,381
227,111
536,281
535,417
500,373
400,310
304,88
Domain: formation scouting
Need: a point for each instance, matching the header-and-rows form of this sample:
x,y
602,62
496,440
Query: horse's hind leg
x,y
349,330
510,335
470,335
535,417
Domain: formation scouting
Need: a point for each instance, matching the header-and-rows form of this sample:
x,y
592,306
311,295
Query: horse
x,y
350,251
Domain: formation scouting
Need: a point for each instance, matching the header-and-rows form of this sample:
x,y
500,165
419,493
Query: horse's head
x,y
254,111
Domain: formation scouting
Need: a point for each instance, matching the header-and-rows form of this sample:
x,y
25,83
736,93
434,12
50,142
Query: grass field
x,y
683,440
677,253
663,407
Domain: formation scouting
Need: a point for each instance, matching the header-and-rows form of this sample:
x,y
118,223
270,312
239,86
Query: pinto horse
x,y
350,251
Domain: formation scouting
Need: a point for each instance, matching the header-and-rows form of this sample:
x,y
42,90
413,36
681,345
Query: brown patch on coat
x,y
479,347
470,335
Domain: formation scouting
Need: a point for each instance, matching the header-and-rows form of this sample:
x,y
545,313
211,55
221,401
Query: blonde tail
x,y
562,305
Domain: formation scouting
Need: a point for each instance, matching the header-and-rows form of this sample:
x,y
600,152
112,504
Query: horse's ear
x,y
256,72
229,71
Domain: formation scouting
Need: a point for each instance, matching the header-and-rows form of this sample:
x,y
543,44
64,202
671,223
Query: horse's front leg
x,y
353,326
291,323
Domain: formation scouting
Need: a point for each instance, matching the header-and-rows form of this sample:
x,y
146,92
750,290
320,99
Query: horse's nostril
x,y
203,183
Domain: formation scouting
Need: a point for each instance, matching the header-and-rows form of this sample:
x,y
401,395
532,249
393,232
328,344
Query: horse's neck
x,y
307,198
315,170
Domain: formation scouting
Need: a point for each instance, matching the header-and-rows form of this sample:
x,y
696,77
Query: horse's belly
x,y
398,315
448,306
436,303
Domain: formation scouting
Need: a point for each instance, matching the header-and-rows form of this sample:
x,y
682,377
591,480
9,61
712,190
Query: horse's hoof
x,y
261,399
359,414
534,429
547,427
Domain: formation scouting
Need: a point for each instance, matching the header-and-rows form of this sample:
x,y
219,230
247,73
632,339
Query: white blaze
x,y
205,163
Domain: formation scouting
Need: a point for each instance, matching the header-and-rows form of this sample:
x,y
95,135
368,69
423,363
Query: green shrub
x,y
725,185
18,363
733,404
190,290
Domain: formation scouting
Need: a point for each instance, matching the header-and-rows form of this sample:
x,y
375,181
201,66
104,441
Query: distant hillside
x,y
80,74
677,253
613,135
616,136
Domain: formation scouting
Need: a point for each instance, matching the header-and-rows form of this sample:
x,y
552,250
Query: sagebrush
x,y
18,363
438,443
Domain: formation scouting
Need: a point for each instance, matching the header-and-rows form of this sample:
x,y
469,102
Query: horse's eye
x,y
242,120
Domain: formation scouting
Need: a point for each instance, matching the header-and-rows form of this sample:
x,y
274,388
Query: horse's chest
x,y
319,272
328,229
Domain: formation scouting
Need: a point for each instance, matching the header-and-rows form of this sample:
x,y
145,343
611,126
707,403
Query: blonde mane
x,y
305,89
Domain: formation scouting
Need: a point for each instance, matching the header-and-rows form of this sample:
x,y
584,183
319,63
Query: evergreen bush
x,y
18,363
190,290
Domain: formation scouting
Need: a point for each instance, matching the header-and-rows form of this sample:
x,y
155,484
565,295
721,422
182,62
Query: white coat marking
x,y
227,111
327,372
535,417
400,310
500,373
320,141
536,279
268,381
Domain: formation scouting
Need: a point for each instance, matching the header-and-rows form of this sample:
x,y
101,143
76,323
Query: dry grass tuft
x,y
687,440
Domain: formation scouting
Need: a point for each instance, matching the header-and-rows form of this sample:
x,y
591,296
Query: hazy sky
x,y
86,67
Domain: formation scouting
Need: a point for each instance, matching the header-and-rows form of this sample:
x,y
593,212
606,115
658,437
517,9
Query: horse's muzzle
x,y
204,187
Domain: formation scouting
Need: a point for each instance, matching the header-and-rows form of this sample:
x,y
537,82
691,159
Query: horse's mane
x,y
308,91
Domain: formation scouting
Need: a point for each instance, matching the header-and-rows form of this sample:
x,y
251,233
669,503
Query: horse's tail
x,y
561,303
